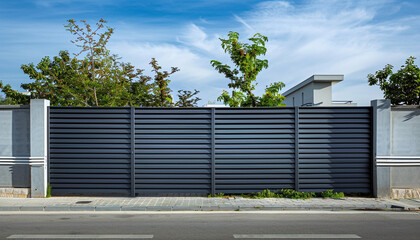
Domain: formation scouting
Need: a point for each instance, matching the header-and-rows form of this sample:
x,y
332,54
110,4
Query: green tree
x,y
187,99
247,67
402,87
92,76
161,91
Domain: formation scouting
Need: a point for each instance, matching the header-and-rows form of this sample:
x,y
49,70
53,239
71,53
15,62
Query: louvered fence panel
x,y
89,151
335,149
173,150
254,149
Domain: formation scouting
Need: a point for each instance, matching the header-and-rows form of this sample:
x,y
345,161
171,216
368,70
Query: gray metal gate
x,y
129,151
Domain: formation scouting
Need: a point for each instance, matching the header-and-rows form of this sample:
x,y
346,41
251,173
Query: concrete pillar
x,y
381,146
39,138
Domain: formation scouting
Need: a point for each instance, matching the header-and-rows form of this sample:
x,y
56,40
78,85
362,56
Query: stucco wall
x,y
14,142
307,91
405,141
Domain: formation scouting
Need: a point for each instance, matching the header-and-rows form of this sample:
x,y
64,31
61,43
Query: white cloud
x,y
194,68
342,37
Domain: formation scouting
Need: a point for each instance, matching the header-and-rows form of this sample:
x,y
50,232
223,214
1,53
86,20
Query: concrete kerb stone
x,y
56,208
107,208
108,204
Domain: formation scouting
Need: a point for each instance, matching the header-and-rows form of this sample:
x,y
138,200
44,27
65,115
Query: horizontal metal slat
x,y
253,136
252,116
172,166
254,181
254,126
334,150
89,165
89,150
140,122
173,181
85,155
140,141
172,146
172,126
254,176
83,126
91,180
89,131
89,121
172,156
54,176
257,146
173,161
250,131
62,146
163,190
254,186
167,176
255,156
54,141
255,121
101,110
90,186
255,161
90,115
254,166
172,171
334,130
175,185
338,180
172,136
332,110
334,165
173,151
172,116
251,171
54,135
333,145
221,111
159,111
87,160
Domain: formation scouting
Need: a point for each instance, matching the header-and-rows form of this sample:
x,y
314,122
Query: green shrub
x,y
290,193
266,194
331,194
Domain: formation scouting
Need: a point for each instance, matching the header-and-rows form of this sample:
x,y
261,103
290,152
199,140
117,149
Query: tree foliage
x,y
402,87
92,76
247,67
187,98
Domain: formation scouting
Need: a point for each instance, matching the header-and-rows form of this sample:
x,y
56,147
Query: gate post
x,y
213,157
38,146
133,150
297,148
381,147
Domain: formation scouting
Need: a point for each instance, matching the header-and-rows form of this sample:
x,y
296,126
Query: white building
x,y
315,91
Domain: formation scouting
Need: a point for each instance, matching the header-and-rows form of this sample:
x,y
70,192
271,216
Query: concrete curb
x,y
73,208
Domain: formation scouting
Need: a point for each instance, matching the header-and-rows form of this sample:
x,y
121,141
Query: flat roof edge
x,y
333,78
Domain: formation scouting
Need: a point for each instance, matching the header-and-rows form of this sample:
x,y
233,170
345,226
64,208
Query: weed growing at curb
x,y
331,194
48,191
284,193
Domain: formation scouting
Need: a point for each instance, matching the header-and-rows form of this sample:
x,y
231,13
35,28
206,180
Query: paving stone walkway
x,y
198,204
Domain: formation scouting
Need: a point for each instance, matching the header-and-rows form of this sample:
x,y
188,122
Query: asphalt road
x,y
239,225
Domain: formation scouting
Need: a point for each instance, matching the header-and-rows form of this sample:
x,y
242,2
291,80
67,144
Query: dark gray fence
x,y
126,151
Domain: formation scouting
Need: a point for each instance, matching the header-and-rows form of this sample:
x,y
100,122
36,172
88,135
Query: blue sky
x,y
353,38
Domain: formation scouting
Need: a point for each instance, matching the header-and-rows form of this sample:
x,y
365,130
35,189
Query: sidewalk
x,y
199,204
